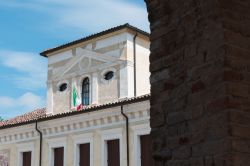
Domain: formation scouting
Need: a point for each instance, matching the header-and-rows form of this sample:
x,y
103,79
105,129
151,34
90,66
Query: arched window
x,y
85,91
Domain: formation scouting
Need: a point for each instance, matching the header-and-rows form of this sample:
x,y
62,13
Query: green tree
x,y
1,119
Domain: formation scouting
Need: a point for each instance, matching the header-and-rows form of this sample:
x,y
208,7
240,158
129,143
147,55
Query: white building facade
x,y
108,75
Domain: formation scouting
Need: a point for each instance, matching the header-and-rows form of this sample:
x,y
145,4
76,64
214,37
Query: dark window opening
x,y
26,159
85,91
113,149
58,156
63,87
109,75
84,154
146,151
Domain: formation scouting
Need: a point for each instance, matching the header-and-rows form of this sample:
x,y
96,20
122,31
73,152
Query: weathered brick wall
x,y
200,82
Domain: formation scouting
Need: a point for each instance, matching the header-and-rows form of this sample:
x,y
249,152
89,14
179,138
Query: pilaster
x,y
95,88
49,108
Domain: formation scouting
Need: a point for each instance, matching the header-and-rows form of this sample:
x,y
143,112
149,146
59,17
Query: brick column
x,y
200,65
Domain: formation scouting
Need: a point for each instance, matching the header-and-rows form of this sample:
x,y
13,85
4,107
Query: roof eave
x,y
88,110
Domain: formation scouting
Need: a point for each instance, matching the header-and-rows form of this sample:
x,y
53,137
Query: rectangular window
x,y
58,156
84,154
146,151
113,155
26,158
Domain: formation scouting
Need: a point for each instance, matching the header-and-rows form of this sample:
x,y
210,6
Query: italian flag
x,y
76,100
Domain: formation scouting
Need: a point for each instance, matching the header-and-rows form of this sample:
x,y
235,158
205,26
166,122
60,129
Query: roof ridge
x,y
92,36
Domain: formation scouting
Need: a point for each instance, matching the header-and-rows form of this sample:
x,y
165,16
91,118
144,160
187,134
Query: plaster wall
x,y
142,63
142,67
108,90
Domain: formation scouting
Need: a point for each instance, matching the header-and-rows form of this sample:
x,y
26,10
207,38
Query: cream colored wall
x,y
62,102
102,123
108,90
142,67
142,63
113,46
112,52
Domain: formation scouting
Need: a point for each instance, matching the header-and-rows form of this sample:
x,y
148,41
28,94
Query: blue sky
x,y
28,27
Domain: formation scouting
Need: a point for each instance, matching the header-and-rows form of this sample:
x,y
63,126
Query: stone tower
x,y
200,82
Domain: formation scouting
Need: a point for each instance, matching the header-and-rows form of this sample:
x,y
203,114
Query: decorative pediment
x,y
84,61
95,62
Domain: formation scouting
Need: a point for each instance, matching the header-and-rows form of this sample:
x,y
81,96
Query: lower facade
x,y
96,138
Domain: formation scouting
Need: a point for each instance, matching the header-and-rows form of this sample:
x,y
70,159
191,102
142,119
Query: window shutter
x,y
146,151
26,158
113,152
84,154
58,156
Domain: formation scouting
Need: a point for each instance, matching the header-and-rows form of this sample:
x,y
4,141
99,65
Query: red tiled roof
x,y
38,113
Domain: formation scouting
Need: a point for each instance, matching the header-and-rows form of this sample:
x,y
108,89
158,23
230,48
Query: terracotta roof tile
x,y
38,113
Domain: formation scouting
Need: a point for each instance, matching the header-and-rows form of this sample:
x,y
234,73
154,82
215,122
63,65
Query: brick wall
x,y
200,82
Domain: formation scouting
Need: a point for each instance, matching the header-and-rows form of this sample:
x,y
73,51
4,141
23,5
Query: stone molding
x,y
82,139
111,134
57,143
25,147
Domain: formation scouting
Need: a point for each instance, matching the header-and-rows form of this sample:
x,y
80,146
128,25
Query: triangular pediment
x,y
95,62
84,61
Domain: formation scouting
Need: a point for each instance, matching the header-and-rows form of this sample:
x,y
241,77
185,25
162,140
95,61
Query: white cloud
x,y
6,101
87,15
99,15
22,61
27,102
30,100
31,67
